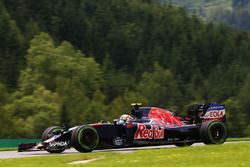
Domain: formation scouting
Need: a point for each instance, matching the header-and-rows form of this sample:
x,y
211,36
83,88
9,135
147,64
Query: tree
x,y
34,113
244,99
11,49
115,81
121,104
46,63
96,110
4,95
236,119
160,87
63,70
73,101
197,61
5,119
39,62
5,123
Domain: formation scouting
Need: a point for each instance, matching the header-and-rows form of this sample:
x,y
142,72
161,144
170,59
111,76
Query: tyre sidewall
x,y
206,134
49,130
76,138
45,136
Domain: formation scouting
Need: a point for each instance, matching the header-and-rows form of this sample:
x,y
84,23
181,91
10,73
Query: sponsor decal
x,y
173,139
215,114
58,144
118,141
155,132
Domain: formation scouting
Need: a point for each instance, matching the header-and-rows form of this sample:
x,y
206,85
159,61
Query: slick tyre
x,y
50,132
84,138
213,132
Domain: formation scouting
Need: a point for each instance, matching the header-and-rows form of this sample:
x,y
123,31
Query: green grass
x,y
239,139
229,140
234,154
8,149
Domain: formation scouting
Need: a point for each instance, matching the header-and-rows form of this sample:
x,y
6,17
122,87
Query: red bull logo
x,y
153,133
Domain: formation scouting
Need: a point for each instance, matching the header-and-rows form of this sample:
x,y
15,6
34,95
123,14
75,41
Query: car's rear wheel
x,y
213,132
50,132
84,138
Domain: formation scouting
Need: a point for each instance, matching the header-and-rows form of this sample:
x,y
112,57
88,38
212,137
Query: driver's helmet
x,y
124,118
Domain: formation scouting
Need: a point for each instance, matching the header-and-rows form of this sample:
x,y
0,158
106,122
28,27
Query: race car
x,y
144,126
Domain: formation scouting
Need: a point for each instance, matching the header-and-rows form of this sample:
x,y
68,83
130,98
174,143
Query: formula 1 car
x,y
145,126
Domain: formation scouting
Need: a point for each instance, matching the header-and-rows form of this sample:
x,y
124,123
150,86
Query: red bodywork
x,y
158,115
164,116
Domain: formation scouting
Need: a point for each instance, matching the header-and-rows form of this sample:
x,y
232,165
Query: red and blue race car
x,y
144,126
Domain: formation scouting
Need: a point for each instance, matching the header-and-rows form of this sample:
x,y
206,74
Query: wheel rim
x,y
217,133
88,138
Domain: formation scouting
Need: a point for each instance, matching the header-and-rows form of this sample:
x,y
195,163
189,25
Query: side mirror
x,y
115,121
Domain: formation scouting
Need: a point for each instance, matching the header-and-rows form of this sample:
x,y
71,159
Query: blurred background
x,y
74,62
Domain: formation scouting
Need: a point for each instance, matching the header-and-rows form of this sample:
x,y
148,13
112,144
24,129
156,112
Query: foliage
x,y
4,94
5,123
160,87
46,64
96,110
236,119
63,70
244,98
11,49
93,58
121,104
33,113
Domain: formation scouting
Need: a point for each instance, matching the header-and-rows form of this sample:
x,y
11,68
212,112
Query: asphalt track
x,y
15,154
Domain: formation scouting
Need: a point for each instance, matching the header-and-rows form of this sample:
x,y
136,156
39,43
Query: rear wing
x,y
215,111
203,112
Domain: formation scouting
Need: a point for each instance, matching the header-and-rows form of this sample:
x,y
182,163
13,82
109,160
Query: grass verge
x,y
8,149
239,139
234,154
228,140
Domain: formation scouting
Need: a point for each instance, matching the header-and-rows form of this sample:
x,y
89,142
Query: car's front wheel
x,y
213,132
50,132
84,138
